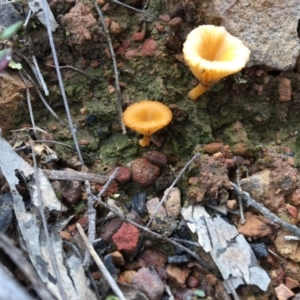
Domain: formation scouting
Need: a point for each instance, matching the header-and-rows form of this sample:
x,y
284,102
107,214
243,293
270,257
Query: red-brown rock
x,y
178,275
117,258
156,158
130,54
126,277
123,174
126,238
293,211
139,36
143,172
213,147
165,18
149,47
285,89
175,24
112,188
152,258
295,198
291,283
192,281
254,227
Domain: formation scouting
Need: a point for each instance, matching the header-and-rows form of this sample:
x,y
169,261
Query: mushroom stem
x,y
144,141
198,91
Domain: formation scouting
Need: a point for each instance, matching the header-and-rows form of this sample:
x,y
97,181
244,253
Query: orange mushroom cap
x,y
147,117
212,54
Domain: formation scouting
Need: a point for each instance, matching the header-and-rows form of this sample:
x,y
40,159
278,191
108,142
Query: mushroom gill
x,y
212,54
147,117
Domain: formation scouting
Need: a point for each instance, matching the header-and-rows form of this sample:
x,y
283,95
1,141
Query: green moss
x,y
118,147
79,208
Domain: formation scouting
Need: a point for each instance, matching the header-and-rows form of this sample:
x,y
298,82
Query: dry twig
x,y
116,72
42,97
135,9
60,81
100,264
92,212
79,176
28,102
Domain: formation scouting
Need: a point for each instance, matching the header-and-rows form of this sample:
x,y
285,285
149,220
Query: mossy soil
x,y
161,76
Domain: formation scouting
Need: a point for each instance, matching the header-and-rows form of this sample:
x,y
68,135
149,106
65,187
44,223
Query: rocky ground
x,y
245,129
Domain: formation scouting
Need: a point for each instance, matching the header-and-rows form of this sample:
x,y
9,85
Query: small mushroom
x,y
212,54
147,117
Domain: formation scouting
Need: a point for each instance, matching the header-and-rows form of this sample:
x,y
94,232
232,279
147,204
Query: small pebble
x,y
192,281
127,238
115,28
259,249
175,24
109,264
156,158
139,36
139,203
148,283
179,259
173,203
143,172
123,174
90,120
165,18
178,275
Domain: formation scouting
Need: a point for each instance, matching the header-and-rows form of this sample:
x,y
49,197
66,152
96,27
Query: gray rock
x,y
9,15
267,27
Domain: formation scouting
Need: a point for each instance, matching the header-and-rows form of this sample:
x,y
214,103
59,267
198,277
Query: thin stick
x,y
28,102
75,69
45,226
36,71
61,85
108,182
169,292
92,212
242,217
27,19
291,238
135,9
265,212
113,56
100,264
232,290
40,76
62,144
172,185
42,97
73,175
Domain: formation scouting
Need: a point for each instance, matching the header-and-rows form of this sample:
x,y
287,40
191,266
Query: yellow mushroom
x,y
212,54
147,117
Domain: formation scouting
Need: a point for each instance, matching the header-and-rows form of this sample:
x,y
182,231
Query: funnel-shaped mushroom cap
x,y
147,117
212,53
